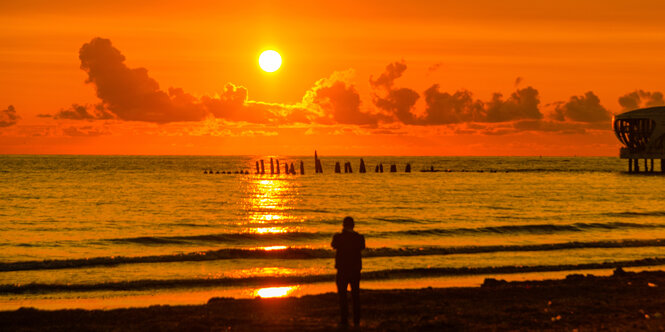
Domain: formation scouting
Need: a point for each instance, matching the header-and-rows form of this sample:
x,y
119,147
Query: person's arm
x,y
334,242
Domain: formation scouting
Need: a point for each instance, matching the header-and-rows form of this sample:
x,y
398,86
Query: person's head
x,y
348,223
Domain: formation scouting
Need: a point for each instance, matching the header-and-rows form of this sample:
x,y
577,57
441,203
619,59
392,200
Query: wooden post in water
x,y
263,168
272,169
302,168
317,163
380,168
338,168
636,165
408,168
257,167
350,168
376,169
393,168
630,165
646,166
362,166
277,162
293,169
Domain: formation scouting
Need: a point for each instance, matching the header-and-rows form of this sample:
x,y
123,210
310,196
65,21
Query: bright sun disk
x,y
270,61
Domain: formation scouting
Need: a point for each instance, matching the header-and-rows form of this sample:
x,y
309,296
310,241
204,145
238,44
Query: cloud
x,y
586,108
522,104
641,98
86,131
397,102
518,81
129,93
8,117
82,112
444,108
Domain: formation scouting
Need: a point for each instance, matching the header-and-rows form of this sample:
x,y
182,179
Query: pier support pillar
x,y
651,166
636,165
646,166
662,163
630,165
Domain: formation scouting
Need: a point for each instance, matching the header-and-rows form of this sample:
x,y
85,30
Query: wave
x,y
310,253
306,236
633,214
220,238
146,284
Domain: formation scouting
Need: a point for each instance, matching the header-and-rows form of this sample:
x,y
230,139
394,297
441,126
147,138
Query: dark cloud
x,y
343,103
129,93
232,105
641,98
82,112
585,108
444,108
397,102
522,104
8,117
387,79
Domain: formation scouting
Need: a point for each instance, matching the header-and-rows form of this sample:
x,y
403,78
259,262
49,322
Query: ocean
x,y
122,231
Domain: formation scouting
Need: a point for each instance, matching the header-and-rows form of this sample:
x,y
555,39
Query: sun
x,y
270,61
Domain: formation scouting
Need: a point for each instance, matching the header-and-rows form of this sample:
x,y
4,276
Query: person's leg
x,y
343,302
355,294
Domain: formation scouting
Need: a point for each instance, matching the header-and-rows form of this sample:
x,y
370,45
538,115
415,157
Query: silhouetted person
x,y
348,263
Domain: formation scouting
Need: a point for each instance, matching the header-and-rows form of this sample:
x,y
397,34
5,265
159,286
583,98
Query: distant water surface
x,y
113,225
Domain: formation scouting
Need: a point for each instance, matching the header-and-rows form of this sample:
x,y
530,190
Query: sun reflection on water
x,y
269,203
275,291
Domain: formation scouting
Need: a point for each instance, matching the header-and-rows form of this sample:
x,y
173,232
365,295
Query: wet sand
x,y
621,302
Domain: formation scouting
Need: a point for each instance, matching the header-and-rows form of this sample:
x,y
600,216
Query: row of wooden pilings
x,y
276,170
362,169
634,166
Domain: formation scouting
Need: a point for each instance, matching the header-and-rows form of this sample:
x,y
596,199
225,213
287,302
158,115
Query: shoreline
x,y
622,301
124,299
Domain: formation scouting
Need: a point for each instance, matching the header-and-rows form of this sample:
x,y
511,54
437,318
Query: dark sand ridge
x,y
622,302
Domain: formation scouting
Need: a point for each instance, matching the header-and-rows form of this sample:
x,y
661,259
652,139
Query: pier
x,y
642,132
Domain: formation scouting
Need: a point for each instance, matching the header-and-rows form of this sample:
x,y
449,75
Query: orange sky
x,y
369,78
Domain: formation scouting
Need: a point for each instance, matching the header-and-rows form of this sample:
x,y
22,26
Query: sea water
x,y
140,230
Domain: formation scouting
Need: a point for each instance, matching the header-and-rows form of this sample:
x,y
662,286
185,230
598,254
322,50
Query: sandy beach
x,y
624,301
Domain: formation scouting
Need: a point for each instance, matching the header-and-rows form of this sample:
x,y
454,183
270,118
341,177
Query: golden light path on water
x,y
268,205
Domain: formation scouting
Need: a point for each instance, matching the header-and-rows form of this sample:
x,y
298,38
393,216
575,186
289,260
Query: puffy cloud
x,y
585,108
343,103
398,102
82,112
8,117
129,93
388,77
641,98
444,108
522,104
